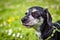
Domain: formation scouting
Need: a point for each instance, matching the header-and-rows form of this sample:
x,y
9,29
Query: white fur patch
x,y
41,21
39,35
38,28
34,10
32,20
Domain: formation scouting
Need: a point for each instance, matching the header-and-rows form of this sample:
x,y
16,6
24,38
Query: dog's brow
x,y
34,10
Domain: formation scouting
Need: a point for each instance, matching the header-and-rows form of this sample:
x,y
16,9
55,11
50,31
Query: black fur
x,y
46,28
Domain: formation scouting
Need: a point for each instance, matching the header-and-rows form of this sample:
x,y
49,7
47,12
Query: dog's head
x,y
35,16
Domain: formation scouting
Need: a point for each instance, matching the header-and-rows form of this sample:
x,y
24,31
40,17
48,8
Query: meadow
x,y
11,12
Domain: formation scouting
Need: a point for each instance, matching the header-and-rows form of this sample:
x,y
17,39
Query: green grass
x,y
11,12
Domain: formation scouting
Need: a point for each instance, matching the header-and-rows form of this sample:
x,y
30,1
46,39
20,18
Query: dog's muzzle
x,y
25,20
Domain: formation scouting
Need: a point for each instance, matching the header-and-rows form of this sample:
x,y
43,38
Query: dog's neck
x,y
44,30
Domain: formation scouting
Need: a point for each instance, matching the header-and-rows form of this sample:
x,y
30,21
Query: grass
x,y
11,12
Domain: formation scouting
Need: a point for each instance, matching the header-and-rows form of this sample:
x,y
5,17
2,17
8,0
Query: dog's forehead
x,y
32,10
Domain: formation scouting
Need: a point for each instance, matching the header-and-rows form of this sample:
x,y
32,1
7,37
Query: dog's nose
x,y
24,20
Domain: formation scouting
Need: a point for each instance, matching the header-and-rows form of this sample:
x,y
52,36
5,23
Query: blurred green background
x,y
11,12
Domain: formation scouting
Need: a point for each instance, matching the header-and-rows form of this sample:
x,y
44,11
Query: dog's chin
x,y
28,26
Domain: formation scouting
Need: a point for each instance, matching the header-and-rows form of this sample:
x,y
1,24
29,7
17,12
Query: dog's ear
x,y
49,18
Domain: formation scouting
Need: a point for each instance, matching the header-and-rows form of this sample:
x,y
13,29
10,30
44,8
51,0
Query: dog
x,y
40,19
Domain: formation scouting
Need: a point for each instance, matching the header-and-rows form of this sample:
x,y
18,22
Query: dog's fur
x,y
41,20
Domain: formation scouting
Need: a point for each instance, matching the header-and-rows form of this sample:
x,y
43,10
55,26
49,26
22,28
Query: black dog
x,y
41,20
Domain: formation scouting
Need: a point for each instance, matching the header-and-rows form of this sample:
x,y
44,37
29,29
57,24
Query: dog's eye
x,y
25,13
35,14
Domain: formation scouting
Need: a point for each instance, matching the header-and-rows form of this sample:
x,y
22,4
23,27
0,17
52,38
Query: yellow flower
x,y
17,17
10,19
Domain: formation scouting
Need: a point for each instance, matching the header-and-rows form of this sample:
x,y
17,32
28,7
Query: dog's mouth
x,y
28,26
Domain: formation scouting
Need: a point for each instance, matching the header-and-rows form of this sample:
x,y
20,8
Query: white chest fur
x,y
39,35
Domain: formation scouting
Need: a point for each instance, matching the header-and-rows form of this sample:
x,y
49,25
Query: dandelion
x,y
18,34
9,31
17,17
10,19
